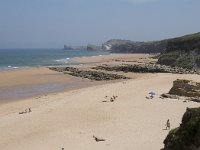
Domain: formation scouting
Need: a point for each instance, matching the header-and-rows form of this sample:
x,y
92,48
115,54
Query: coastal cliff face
x,y
126,46
187,136
185,43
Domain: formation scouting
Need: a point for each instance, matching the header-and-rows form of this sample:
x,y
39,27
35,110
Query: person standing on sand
x,y
168,125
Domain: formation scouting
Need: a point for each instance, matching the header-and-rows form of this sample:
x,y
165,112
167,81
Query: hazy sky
x,y
53,23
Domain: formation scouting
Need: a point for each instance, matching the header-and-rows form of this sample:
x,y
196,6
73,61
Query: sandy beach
x,y
69,119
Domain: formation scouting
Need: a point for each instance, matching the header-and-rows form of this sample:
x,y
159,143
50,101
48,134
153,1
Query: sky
x,y
53,23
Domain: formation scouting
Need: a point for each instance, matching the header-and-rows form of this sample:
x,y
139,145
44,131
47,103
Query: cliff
x,y
126,46
187,136
185,88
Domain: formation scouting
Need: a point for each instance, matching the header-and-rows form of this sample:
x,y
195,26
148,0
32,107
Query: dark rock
x,y
170,96
187,136
93,75
186,88
68,47
145,68
91,47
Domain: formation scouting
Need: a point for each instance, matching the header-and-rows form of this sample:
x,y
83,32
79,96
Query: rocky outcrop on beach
x,y
89,74
187,136
185,88
146,68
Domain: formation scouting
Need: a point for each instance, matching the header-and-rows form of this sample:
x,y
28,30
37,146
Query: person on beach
x,y
111,99
168,125
26,110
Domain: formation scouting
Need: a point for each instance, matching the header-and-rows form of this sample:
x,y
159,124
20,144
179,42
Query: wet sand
x,y
25,83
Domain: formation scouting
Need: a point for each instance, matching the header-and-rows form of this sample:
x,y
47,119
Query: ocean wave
x,y
13,67
65,60
7,68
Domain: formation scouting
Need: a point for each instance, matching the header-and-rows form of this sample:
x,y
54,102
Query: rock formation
x,y
186,88
89,74
187,136
91,47
146,68
67,47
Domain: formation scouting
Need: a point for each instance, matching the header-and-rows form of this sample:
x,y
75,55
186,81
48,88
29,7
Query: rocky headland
x,y
183,52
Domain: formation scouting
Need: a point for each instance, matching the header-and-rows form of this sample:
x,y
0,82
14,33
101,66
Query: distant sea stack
x,y
67,47
92,47
89,47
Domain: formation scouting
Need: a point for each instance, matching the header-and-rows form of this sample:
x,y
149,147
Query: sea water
x,y
17,58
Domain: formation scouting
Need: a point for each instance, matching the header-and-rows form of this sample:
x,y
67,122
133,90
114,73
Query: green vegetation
x,y
197,61
182,52
185,43
185,61
169,59
177,58
187,136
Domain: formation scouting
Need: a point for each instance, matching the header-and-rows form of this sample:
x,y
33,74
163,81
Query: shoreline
x,y
23,83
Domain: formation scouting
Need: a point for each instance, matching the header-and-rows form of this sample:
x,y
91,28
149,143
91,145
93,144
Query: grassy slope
x,y
182,52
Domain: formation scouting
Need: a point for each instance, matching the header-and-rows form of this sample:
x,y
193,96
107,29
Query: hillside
x,y
182,52
127,46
